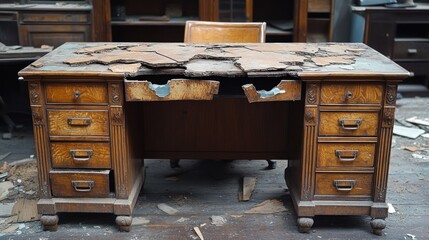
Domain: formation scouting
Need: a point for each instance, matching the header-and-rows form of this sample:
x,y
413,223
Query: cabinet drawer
x,y
80,184
80,155
351,93
411,49
78,122
56,18
348,123
345,154
76,93
343,184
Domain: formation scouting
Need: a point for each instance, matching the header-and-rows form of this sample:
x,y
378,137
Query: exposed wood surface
x,y
256,59
249,184
286,90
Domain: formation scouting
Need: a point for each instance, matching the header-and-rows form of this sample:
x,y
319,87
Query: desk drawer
x,y
78,122
343,184
351,93
76,93
348,123
411,49
80,184
346,154
80,155
57,18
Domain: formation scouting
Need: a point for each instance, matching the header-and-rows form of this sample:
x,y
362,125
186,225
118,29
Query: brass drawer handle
x,y
347,155
79,121
82,186
81,155
344,185
350,124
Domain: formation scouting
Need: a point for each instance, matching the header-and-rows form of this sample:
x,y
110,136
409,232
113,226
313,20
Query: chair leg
x,y
174,163
271,164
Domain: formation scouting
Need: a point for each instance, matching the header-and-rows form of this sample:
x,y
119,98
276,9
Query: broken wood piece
x,y
412,148
26,210
167,209
96,49
218,220
268,207
412,133
286,90
22,161
322,61
125,68
175,89
198,232
249,184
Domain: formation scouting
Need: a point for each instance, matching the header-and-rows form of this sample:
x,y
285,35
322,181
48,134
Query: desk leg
x,y
377,226
305,224
49,222
124,223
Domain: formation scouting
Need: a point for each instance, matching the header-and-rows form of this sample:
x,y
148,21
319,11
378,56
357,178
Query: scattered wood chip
x,y
248,188
182,219
125,68
202,225
139,221
412,148
198,232
412,133
37,64
167,209
267,207
26,210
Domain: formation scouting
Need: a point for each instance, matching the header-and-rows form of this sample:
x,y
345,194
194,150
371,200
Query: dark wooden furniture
x,y
330,113
49,23
401,34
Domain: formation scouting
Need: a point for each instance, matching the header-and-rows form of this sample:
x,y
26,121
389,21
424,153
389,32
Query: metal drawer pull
x,y
347,155
349,95
79,121
350,124
82,186
412,51
81,155
344,185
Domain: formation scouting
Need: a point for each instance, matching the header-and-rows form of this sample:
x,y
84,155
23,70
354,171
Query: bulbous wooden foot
x,y
124,223
305,224
49,222
377,226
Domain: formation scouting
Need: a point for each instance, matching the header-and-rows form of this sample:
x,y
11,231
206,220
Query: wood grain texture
x,y
58,122
351,93
327,154
61,183
330,123
98,155
325,183
179,89
76,93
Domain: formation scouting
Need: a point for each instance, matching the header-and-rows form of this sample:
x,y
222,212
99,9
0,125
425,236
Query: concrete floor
x,y
202,189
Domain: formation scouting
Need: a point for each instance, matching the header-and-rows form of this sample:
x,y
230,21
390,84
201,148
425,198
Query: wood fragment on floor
x,y
249,184
198,232
167,209
268,207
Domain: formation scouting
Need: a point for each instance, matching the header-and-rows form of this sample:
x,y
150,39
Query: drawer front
x,y
348,123
343,184
76,93
66,17
346,154
80,184
411,50
80,155
351,93
78,123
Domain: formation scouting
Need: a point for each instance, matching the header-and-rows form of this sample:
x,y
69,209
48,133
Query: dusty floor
x,y
200,190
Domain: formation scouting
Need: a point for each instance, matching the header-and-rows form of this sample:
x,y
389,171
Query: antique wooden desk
x,y
328,110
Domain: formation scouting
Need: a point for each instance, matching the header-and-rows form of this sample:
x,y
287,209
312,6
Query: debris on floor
x,y
198,232
137,221
218,220
248,188
167,209
268,206
26,210
408,132
391,209
418,121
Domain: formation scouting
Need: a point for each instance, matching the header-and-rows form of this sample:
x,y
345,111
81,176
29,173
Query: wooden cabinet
x,y
149,20
400,34
49,23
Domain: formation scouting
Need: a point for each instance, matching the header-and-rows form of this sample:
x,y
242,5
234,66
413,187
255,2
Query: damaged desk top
x,y
229,60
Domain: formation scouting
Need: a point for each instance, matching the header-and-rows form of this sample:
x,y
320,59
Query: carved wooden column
x,y
311,116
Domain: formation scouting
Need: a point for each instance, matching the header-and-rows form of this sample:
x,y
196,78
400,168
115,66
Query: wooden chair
x,y
224,32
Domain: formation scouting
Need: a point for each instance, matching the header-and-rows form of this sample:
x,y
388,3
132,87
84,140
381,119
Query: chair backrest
x,y
224,32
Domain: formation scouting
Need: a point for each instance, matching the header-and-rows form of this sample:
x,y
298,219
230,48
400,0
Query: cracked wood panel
x,y
257,60
285,90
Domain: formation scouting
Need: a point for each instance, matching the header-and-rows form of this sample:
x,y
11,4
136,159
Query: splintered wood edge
x,y
180,89
292,92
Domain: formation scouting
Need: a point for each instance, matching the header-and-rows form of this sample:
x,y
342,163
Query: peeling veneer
x,y
286,90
